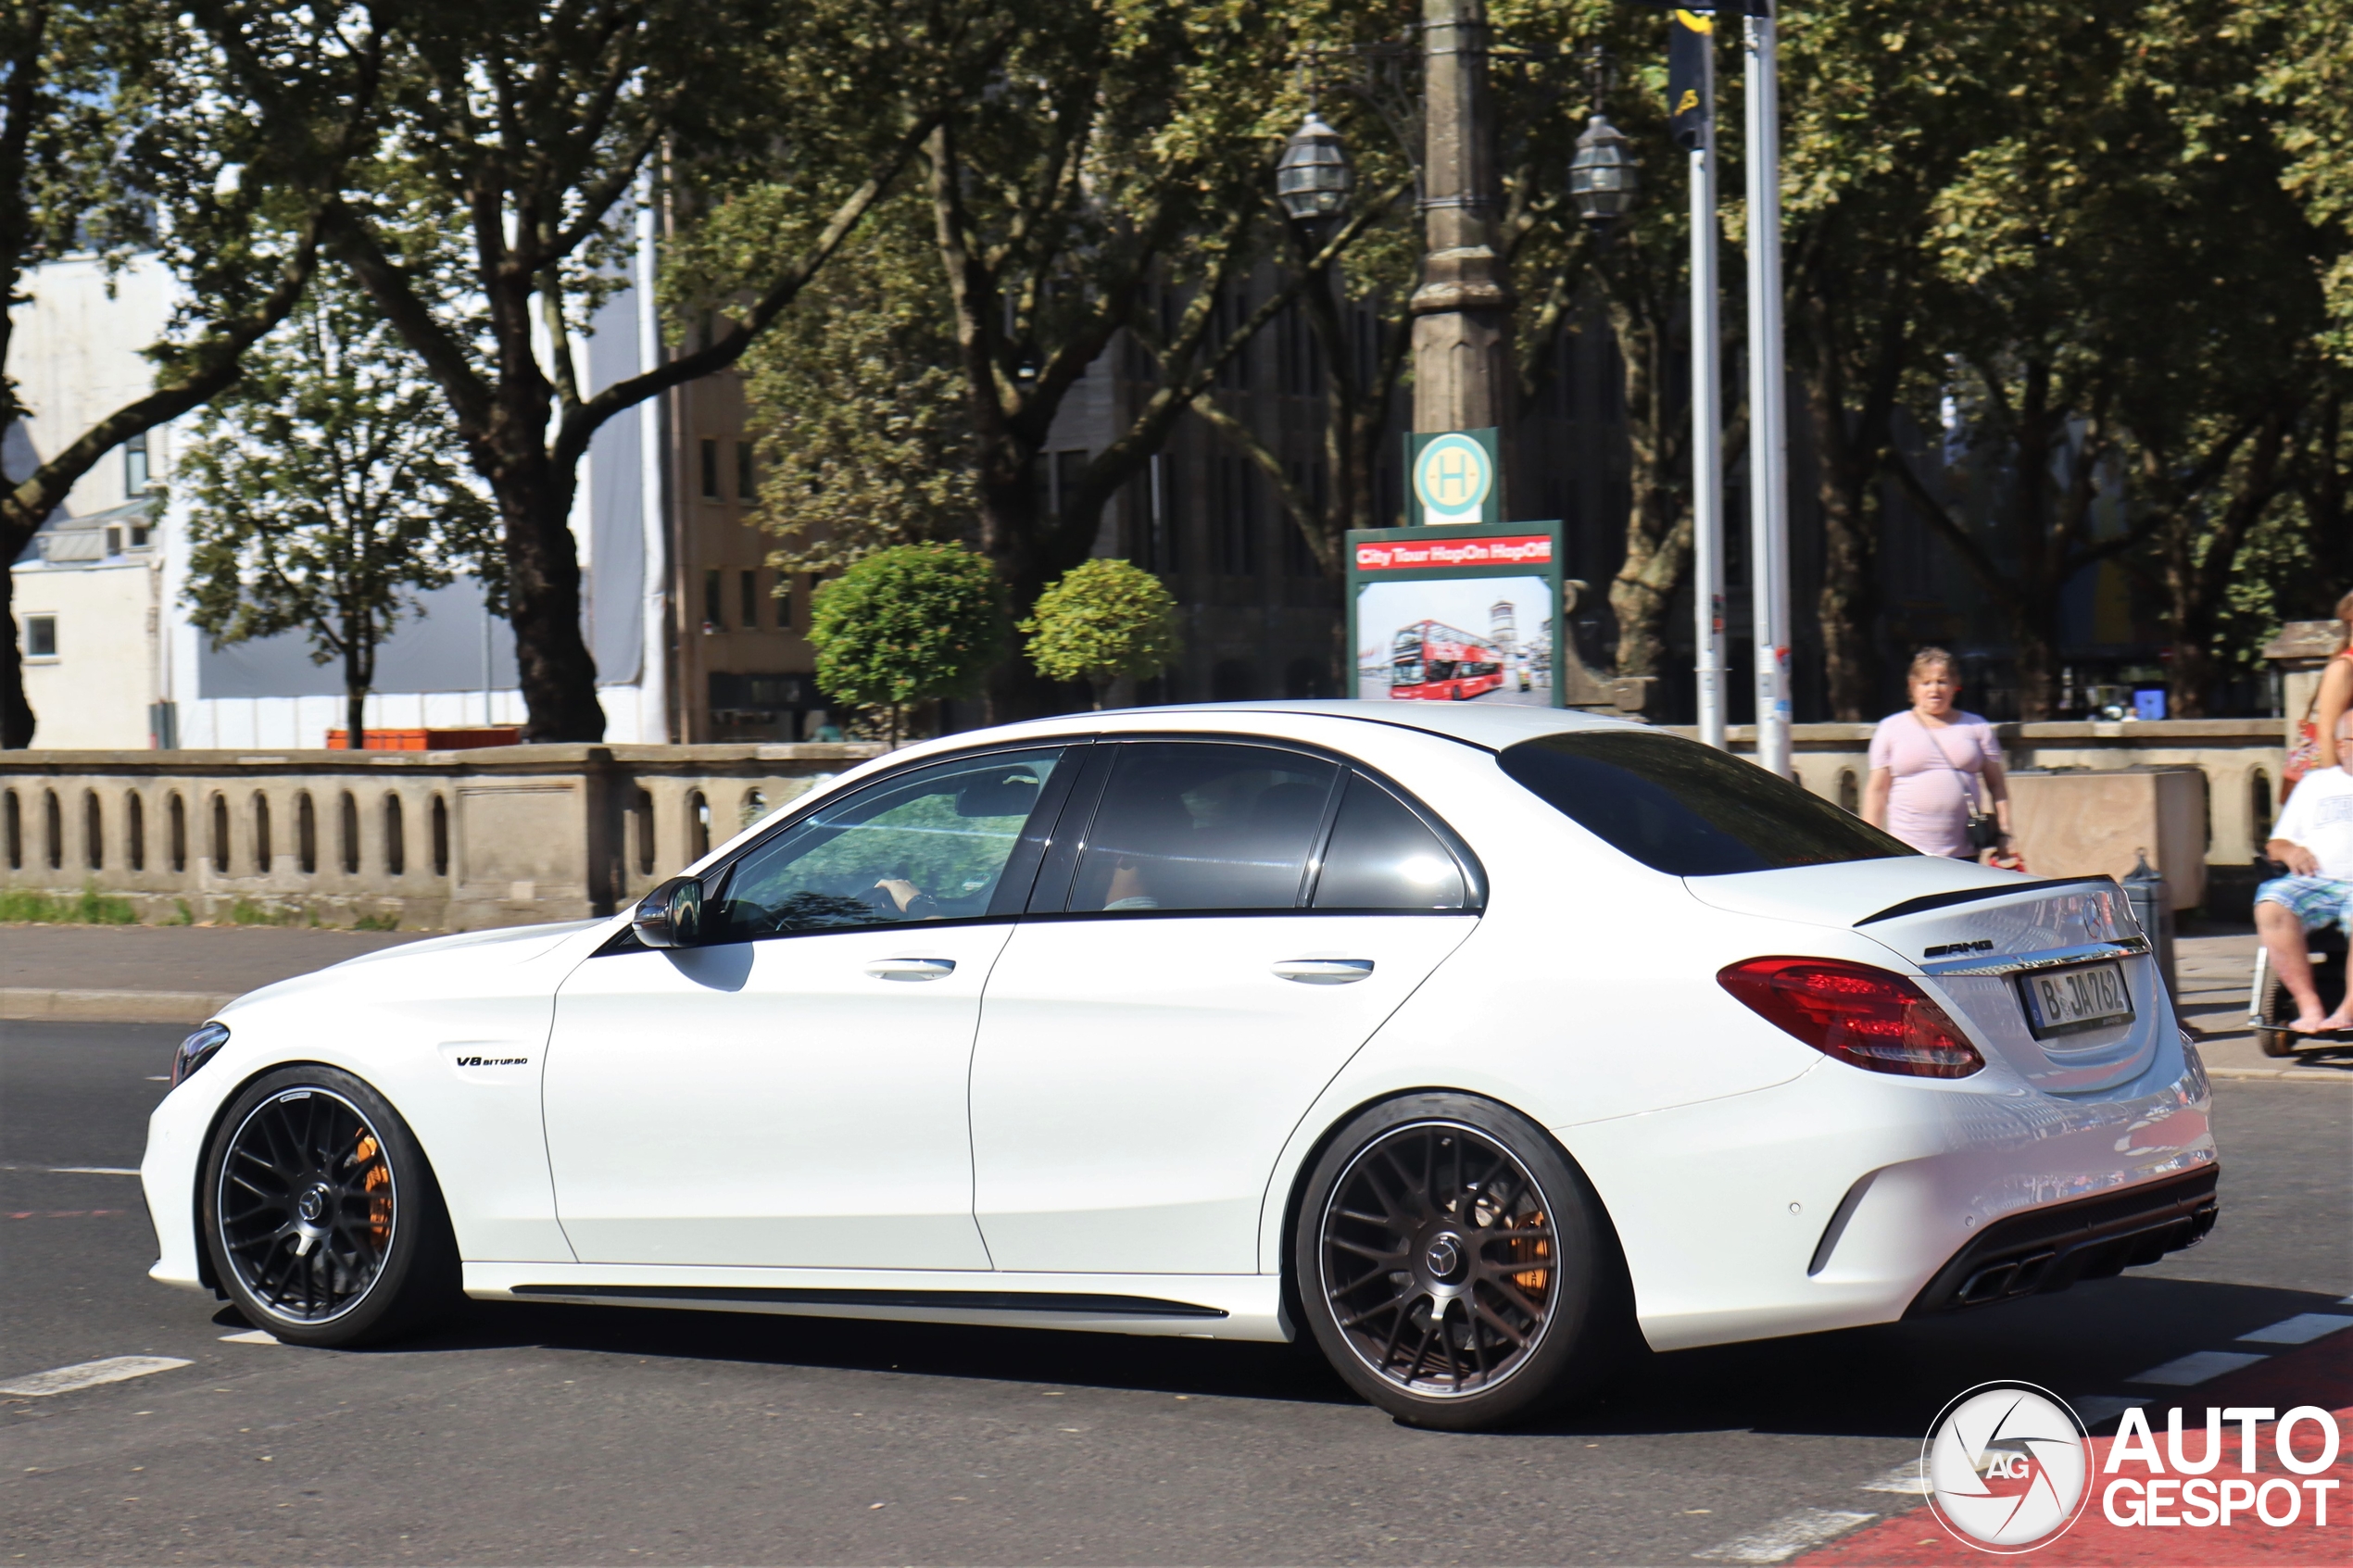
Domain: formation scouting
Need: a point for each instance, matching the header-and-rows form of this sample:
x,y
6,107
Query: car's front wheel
x,y
1456,1269
321,1216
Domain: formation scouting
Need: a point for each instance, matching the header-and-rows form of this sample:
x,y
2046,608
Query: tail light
x,y
1865,1017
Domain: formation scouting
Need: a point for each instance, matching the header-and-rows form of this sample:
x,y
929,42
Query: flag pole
x,y
1768,420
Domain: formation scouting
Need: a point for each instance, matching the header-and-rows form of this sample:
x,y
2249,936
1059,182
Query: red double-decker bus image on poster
x,y
1431,661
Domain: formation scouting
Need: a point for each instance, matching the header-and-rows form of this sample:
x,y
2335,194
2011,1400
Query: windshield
x,y
1686,808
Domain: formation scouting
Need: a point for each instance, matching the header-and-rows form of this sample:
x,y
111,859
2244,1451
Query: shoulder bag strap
x,y
1969,786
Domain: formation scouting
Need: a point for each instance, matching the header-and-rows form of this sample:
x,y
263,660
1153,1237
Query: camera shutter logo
x,y
2008,1467
1452,477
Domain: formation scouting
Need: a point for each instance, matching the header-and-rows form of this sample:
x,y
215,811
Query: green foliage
x,y
906,624
327,492
30,907
376,923
1103,620
866,436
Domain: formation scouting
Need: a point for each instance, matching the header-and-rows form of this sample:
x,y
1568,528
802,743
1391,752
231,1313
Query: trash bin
x,y
2144,886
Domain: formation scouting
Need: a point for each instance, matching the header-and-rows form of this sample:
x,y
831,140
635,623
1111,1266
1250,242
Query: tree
x,y
1100,621
908,624
127,127
1116,175
327,492
495,211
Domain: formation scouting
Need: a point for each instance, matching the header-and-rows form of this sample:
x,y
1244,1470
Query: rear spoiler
x,y
1971,894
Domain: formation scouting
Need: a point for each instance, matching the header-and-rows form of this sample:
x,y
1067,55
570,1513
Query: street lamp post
x,y
1463,309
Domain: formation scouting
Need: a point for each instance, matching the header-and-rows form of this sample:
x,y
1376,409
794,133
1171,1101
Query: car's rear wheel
x,y
1456,1269
321,1216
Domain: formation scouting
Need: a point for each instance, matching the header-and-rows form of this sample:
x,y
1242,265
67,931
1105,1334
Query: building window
x,y
714,616
135,474
747,478
750,605
783,601
710,469
41,636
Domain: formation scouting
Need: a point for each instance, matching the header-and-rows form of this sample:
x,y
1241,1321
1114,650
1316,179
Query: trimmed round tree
x,y
1101,620
907,625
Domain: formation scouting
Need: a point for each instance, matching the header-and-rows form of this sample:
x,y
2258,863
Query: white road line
x,y
252,1336
2195,1367
2093,1409
74,1170
1908,1478
89,1374
1785,1537
2301,1329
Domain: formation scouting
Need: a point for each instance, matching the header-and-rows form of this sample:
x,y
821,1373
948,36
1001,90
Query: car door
x,y
792,1092
1218,928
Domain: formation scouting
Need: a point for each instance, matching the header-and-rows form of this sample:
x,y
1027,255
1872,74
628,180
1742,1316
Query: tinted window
x,y
927,845
1195,825
1383,856
1687,808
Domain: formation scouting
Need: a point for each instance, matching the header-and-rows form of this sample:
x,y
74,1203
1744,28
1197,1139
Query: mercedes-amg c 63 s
x,y
1481,1046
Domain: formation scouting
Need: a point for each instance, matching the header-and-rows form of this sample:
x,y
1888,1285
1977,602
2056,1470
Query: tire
x,y
321,1218
2276,1042
2276,1007
1456,1225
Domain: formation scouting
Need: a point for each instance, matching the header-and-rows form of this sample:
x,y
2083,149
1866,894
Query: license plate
x,y
2060,1001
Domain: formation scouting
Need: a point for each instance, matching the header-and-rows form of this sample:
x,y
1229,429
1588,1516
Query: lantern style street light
x,y
1313,180
1602,180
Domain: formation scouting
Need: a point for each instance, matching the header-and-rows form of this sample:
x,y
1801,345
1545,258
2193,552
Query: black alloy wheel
x,y
321,1220
1454,1265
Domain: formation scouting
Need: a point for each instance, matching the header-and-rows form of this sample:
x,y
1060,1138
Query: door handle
x,y
911,968
1324,971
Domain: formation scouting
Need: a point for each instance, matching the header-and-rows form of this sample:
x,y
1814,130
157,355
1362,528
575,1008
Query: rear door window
x,y
1383,856
1202,825
1686,808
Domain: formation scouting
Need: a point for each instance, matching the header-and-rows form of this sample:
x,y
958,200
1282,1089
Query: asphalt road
x,y
533,1435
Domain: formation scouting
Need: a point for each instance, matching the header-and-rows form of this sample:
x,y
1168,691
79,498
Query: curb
x,y
2291,1075
26,1004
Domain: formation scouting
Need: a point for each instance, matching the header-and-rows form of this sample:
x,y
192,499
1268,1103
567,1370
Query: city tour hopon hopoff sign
x,y
1465,606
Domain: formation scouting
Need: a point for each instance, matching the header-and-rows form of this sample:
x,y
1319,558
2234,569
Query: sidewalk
x,y
160,973
2214,970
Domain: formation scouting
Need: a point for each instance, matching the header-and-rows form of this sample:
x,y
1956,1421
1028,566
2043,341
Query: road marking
x,y
1785,1537
64,1214
252,1336
74,1170
2301,1329
2195,1367
2093,1409
89,1374
1908,1478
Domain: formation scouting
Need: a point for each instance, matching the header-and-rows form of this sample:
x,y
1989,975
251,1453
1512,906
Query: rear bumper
x,y
2049,1250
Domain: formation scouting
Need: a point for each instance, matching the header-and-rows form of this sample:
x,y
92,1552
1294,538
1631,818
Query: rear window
x,y
1689,809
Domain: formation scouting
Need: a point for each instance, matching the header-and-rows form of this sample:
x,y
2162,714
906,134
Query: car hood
x,y
461,962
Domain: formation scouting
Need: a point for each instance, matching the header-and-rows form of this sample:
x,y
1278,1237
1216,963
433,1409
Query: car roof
x,y
1492,727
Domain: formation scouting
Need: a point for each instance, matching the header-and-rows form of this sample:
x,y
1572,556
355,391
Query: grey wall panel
x,y
441,651
615,600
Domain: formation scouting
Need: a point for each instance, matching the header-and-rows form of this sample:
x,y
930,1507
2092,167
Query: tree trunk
x,y
16,714
552,663
355,715
1658,519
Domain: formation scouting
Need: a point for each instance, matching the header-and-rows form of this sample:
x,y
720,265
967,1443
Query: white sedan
x,y
1482,1045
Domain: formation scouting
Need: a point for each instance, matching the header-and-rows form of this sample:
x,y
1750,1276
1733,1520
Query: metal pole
x,y
1462,311
654,668
1707,413
1769,419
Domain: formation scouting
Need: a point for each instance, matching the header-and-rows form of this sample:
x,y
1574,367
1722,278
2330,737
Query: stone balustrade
x,y
451,840
504,835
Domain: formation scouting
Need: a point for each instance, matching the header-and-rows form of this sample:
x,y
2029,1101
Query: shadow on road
x,y
1865,1382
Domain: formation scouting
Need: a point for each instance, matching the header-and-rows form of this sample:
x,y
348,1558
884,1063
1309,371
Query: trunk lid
x,y
1974,935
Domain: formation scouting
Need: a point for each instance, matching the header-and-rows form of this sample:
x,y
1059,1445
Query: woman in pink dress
x,y
1933,764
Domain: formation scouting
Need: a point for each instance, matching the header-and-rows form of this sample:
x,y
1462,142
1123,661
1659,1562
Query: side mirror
x,y
670,916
